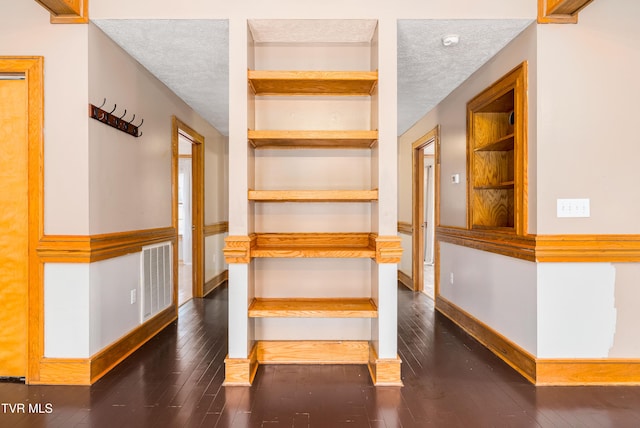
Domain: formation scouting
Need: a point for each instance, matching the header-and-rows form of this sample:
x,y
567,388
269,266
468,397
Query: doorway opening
x,y
185,200
425,179
188,217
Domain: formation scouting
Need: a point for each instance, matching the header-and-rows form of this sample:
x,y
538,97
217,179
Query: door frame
x,y
417,201
197,204
33,69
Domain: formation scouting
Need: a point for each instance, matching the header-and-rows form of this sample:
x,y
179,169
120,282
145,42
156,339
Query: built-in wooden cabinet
x,y
496,154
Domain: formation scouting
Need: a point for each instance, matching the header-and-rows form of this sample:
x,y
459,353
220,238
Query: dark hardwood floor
x,y
175,380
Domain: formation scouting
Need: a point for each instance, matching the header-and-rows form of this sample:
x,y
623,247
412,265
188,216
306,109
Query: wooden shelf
x,y
349,83
313,308
505,185
313,195
503,144
312,139
313,245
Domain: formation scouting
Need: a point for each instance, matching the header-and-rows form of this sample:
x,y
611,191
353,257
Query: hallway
x,y
175,380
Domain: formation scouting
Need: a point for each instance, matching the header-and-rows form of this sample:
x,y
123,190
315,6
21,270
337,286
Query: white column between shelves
x,y
384,330
239,287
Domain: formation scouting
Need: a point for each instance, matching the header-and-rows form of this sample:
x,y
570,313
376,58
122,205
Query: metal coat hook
x,y
108,118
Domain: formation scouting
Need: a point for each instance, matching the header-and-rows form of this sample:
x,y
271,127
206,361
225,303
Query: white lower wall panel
x,y
499,291
214,263
385,328
239,340
66,310
406,263
112,315
576,310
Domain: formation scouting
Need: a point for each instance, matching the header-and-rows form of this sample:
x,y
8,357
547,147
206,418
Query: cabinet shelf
x,y
313,195
312,139
340,83
313,245
505,185
313,308
503,144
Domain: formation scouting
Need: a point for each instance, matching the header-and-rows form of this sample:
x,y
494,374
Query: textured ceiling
x,y
429,71
191,56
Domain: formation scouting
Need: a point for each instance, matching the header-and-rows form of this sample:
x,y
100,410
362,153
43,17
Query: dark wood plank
x,y
175,380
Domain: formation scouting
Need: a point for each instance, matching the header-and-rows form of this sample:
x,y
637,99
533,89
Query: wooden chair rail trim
x,y
547,248
405,228
215,228
93,248
506,244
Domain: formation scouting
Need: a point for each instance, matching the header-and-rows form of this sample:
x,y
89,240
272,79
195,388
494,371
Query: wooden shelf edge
x,y
313,195
310,252
349,139
309,83
313,308
501,186
503,144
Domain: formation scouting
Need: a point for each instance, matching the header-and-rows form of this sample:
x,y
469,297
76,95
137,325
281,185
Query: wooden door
x,y
14,227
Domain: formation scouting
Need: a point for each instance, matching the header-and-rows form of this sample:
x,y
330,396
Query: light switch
x,y
573,208
455,178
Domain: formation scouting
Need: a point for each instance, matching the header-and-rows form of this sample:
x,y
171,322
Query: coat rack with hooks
x,y
118,122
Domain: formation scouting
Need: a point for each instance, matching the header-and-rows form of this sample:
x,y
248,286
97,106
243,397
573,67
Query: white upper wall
x,y
25,30
587,119
130,178
328,9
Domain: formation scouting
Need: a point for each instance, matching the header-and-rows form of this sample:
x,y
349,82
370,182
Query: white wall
x,y
499,291
587,142
26,30
118,182
329,9
576,310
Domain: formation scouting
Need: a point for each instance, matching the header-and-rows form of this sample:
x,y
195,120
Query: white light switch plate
x,y
573,208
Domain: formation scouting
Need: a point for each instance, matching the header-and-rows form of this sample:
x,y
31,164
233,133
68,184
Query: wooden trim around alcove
x,y
547,248
93,248
67,11
560,11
